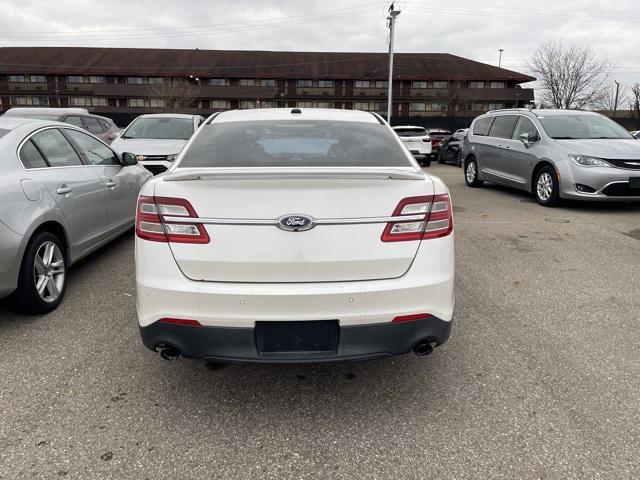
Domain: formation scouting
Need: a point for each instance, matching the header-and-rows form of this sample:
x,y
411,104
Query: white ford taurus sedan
x,y
294,235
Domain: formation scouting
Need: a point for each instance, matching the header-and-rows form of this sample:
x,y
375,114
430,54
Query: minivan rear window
x,y
482,126
273,143
503,126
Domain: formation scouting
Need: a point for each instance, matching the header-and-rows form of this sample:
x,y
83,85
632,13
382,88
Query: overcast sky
x,y
460,27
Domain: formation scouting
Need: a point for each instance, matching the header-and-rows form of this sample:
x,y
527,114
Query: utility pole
x,y
615,102
500,57
391,20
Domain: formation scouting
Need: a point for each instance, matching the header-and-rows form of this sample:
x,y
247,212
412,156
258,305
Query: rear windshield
x,y
295,143
574,127
411,132
160,127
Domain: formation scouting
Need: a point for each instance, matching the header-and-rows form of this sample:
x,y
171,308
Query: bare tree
x,y
635,98
607,100
570,77
175,96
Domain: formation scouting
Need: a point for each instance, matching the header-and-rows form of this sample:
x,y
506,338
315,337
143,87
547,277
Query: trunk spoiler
x,y
284,172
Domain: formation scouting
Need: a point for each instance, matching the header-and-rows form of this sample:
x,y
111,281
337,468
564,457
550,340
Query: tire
x,y
471,173
44,264
441,157
546,188
427,163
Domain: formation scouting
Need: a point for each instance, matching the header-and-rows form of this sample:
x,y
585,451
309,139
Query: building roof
x,y
249,64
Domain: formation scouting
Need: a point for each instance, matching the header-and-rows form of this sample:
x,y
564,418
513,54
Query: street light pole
x,y
500,58
391,19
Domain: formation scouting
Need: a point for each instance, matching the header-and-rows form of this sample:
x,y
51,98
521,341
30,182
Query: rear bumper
x,y
356,342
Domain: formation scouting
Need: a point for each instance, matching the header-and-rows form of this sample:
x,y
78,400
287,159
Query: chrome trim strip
x,y
274,222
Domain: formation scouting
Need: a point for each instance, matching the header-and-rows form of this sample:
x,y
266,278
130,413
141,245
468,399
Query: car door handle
x,y
63,190
504,147
110,184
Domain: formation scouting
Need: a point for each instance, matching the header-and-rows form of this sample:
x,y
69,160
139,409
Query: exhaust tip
x,y
424,348
168,352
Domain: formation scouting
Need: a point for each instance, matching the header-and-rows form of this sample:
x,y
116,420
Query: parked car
x,y
417,141
157,139
460,134
304,235
101,127
554,154
437,137
63,194
450,151
636,134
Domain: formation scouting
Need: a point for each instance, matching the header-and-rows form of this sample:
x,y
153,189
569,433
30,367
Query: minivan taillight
x,y
154,221
431,218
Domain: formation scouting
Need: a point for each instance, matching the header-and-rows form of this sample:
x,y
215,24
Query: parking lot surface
x,y
540,378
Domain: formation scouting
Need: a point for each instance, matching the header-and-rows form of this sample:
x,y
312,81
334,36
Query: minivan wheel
x,y
471,173
43,275
546,187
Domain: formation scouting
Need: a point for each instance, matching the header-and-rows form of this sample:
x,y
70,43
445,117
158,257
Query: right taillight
x,y
431,217
158,220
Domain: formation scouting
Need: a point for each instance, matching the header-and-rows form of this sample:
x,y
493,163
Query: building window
x,y
135,102
37,79
267,82
98,102
247,104
476,84
16,78
382,84
418,84
156,102
267,104
438,107
247,82
417,106
362,84
97,79
496,106
479,107
219,82
79,101
19,101
156,80
305,104
362,106
380,106
219,104
134,80
304,83
497,85
441,84
30,101
325,84
325,104
75,79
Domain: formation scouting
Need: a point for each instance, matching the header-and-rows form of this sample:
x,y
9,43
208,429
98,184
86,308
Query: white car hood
x,y
144,146
619,149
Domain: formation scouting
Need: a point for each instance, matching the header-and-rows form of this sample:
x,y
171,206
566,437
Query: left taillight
x,y
158,220
431,218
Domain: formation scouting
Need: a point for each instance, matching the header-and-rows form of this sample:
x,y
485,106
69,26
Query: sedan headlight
x,y
171,158
587,161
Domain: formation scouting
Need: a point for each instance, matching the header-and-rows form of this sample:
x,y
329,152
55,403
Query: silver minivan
x,y
63,194
554,154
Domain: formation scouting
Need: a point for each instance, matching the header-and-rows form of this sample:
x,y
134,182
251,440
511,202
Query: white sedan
x,y
294,235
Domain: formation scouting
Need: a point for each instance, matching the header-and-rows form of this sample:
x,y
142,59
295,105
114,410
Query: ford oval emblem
x,y
296,223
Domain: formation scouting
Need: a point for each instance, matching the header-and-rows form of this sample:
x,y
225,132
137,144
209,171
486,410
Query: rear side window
x,y
411,132
30,156
57,150
92,125
482,126
503,126
74,120
295,144
105,125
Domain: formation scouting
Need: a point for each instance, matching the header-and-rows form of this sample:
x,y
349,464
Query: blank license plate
x,y
294,337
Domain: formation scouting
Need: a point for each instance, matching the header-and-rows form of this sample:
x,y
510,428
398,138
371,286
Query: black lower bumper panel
x,y
246,345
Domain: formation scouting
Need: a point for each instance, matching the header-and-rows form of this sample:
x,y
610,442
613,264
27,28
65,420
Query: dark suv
x,y
101,127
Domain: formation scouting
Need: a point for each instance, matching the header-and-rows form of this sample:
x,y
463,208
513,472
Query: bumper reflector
x,y
180,321
412,318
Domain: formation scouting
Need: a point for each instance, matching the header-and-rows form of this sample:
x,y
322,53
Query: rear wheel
x,y
546,188
43,275
471,173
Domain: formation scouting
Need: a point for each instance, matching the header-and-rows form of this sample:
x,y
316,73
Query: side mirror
x,y
129,159
526,139
116,134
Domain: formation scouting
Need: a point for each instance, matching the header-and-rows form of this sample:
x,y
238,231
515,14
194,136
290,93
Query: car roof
x,y
45,111
288,114
167,115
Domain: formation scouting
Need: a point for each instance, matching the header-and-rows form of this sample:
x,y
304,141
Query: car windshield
x,y
160,127
411,132
294,143
578,127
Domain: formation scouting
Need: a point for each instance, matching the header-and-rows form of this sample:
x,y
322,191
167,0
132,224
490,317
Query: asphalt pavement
x,y
540,378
